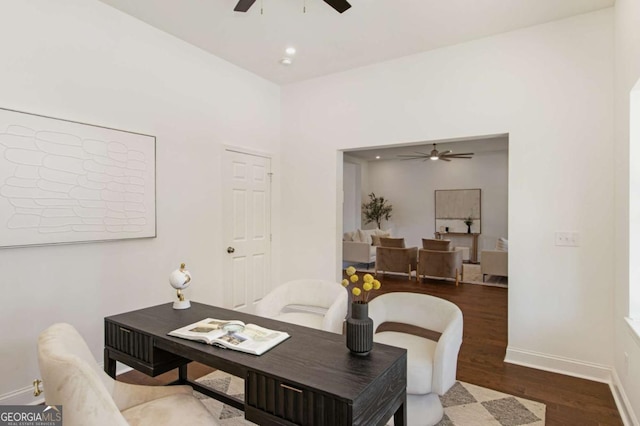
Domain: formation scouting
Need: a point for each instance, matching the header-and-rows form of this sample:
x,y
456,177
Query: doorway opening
x,y
410,185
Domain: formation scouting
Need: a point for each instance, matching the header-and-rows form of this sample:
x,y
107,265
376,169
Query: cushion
x,y
171,410
348,236
420,355
364,235
437,245
376,237
306,319
502,244
392,242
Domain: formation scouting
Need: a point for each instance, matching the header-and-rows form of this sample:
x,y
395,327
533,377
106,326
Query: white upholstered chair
x,y
495,262
431,365
73,379
309,302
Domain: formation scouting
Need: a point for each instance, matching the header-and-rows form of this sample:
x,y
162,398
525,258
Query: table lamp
x,y
180,279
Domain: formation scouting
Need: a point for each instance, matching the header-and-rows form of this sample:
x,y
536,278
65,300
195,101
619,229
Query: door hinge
x,y
270,174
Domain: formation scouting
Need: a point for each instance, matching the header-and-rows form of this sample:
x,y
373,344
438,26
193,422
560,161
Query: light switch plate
x,y
568,239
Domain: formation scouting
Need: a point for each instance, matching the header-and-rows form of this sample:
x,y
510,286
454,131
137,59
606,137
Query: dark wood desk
x,y
309,379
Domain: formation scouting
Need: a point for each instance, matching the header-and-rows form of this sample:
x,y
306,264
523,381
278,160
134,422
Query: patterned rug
x,y
464,405
472,274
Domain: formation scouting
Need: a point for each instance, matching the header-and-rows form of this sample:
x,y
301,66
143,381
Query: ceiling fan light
x,y
434,157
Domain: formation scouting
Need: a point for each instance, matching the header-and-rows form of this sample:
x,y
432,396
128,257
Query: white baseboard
x,y
24,396
555,364
629,418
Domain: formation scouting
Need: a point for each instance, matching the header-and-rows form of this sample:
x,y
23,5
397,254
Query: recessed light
x,y
290,50
377,157
286,61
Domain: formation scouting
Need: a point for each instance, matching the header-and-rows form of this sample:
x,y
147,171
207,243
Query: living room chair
x,y
431,365
309,302
393,256
436,259
73,379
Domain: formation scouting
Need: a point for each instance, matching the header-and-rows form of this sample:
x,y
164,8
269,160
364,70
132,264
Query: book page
x,y
254,339
232,334
207,330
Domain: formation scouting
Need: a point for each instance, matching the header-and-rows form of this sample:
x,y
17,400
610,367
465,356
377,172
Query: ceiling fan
x,y
435,155
339,5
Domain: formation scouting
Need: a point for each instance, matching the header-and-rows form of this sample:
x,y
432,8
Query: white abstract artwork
x,y
64,182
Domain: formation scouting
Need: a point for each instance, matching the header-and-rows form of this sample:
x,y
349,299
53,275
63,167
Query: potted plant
x,y
376,210
468,221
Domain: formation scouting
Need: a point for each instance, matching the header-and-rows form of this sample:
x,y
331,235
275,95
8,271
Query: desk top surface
x,y
309,357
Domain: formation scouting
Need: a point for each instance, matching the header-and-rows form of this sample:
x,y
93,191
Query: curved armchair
x,y
73,379
313,303
431,366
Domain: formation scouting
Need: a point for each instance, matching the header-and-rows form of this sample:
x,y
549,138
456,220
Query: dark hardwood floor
x,y
569,400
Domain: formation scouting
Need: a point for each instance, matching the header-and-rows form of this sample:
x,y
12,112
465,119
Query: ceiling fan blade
x,y
412,156
444,159
339,5
460,153
243,5
446,152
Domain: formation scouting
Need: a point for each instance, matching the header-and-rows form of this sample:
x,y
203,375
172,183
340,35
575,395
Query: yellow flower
x,y
361,293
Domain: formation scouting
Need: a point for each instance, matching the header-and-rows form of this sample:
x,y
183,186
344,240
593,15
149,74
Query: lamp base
x,y
181,304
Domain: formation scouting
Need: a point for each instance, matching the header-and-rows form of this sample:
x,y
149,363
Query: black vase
x,y
359,330
468,228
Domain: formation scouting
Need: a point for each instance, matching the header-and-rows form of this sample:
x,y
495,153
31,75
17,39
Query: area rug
x,y
464,405
472,274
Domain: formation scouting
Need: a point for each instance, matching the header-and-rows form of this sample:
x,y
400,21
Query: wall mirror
x,y
458,210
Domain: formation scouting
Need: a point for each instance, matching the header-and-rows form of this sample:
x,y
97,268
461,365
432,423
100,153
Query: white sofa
x,y
359,246
496,262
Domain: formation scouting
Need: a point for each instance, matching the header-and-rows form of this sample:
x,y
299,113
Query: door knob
x,y
230,250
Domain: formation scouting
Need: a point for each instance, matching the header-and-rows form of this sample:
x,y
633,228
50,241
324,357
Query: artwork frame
x,y
455,206
64,182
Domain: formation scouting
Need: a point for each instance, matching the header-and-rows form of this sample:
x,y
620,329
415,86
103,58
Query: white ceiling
x,y
326,41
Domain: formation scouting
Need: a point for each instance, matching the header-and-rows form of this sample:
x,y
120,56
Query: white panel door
x,y
247,228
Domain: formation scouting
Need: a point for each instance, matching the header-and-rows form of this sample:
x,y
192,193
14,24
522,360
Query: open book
x,y
234,335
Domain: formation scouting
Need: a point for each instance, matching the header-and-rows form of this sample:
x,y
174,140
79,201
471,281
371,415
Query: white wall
x,y
549,87
82,60
627,212
351,217
409,186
